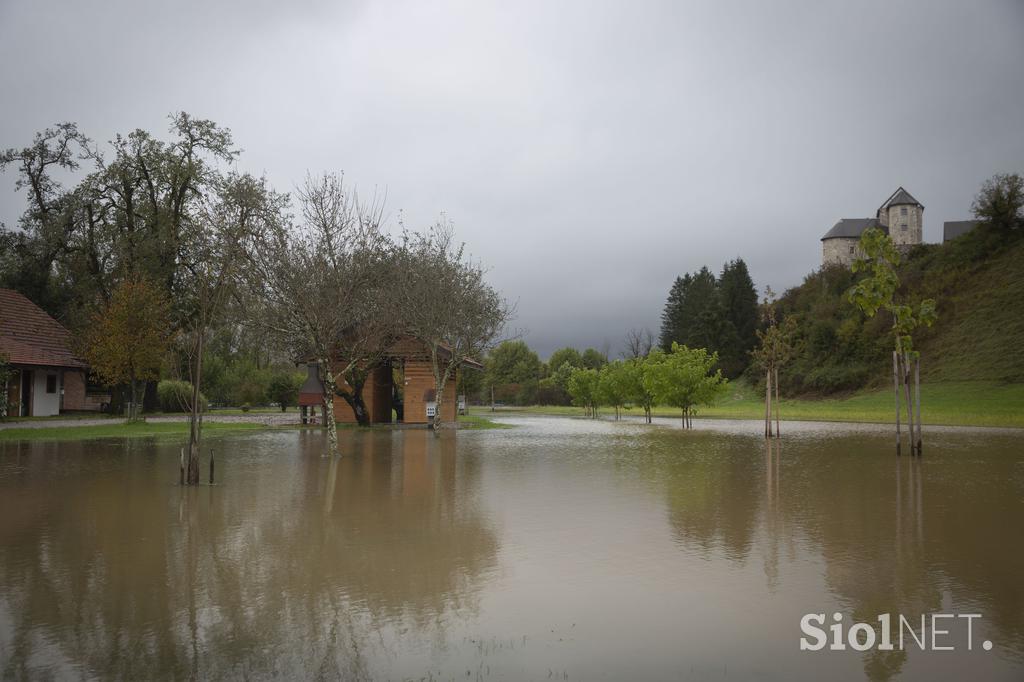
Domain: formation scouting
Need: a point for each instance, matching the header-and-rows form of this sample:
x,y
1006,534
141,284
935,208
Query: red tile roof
x,y
28,336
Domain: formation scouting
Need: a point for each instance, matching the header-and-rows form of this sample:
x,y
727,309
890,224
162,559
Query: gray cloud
x,y
588,152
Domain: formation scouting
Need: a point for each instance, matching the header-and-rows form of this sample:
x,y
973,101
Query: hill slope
x,y
979,288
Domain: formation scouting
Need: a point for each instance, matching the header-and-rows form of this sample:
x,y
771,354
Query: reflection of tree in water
x,y
713,492
300,565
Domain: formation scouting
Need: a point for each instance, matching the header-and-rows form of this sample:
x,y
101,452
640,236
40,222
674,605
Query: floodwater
x,y
562,549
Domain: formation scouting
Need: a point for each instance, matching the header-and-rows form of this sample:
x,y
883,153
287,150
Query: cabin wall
x,y
419,382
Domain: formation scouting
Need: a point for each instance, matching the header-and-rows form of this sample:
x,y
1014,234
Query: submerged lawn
x,y
955,403
120,430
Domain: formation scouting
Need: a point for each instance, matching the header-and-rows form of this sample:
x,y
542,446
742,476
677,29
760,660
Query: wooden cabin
x,y
47,378
400,389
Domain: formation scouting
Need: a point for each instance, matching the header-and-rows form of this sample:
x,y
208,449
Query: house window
x,y
903,227
851,249
903,210
51,383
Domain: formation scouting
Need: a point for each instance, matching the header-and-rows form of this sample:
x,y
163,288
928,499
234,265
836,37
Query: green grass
x,y
120,430
475,422
953,403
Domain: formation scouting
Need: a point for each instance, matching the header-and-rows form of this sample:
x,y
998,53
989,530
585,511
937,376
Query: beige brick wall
x,y
914,222
842,250
74,390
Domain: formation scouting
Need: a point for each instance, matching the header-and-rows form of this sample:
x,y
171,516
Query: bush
x,y
176,396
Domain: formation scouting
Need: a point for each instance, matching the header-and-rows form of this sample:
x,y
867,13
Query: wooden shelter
x,y
401,388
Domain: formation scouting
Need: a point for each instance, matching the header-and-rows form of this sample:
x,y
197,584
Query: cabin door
x,y
26,393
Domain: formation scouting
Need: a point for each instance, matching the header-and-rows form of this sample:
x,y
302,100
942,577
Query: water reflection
x,y
302,565
562,547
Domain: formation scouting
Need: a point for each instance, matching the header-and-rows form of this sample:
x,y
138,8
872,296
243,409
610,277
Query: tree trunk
x,y
195,431
492,397
896,392
768,403
917,397
330,388
778,428
133,389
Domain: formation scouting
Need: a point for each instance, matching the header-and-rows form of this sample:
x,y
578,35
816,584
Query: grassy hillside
x,y
979,288
978,403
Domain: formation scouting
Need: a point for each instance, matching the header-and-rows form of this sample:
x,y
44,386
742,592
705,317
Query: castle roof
x,y
951,229
900,197
852,228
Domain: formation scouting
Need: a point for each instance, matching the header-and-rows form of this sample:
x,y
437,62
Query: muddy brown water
x,y
560,549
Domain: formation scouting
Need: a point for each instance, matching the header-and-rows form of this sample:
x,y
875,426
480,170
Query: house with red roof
x,y
47,377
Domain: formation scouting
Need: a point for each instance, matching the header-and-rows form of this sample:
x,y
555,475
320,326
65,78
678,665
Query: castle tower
x,y
903,215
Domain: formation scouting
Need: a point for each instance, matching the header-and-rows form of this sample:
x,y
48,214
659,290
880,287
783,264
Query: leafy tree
x,y
613,385
129,338
512,362
567,355
637,392
877,291
1000,205
593,358
284,388
583,386
683,379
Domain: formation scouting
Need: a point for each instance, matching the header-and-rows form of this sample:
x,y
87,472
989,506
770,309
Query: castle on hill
x,y
901,216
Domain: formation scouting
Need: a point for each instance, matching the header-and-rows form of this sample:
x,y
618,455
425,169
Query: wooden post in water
x,y
211,467
778,427
917,397
906,393
896,392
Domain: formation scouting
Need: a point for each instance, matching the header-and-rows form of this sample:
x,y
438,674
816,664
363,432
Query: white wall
x,y
44,404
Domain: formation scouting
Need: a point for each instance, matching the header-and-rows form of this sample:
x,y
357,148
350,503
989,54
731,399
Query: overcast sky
x,y
587,152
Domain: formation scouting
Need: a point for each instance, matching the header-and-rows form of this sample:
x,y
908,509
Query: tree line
x,y
160,248
718,313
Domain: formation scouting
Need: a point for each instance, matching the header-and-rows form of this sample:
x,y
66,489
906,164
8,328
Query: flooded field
x,y
559,549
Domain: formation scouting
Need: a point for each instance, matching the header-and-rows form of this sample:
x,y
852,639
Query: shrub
x,y
176,396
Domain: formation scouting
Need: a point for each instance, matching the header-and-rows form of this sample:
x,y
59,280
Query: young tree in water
x,y
683,379
129,338
877,291
775,350
583,386
242,209
447,305
613,385
638,392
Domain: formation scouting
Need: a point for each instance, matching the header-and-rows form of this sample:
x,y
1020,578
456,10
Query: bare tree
x,y
315,287
242,210
447,305
639,343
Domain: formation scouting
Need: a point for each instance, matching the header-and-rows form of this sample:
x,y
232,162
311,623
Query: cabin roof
x,y
28,336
